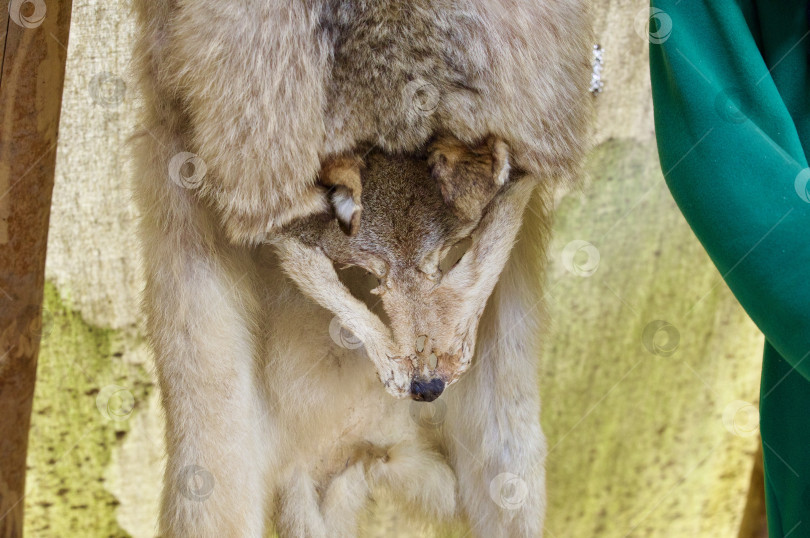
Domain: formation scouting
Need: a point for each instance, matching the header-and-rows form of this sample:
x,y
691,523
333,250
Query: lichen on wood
x,y
77,421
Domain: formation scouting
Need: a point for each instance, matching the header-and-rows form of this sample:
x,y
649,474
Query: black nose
x,y
426,390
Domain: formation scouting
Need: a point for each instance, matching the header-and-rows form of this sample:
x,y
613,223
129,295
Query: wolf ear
x,y
469,176
342,175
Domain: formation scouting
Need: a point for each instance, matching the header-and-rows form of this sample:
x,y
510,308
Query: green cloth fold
x,y
732,118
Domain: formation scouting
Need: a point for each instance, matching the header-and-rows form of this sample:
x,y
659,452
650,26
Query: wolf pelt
x,y
266,418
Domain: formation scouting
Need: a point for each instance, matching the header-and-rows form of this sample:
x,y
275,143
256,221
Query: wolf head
x,y
418,241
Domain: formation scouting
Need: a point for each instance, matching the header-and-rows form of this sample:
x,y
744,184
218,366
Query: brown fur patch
x,y
469,176
344,172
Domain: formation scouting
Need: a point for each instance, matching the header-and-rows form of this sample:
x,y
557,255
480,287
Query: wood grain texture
x,y
33,69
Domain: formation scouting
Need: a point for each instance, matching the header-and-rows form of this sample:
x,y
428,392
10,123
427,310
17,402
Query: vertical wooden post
x,y
34,49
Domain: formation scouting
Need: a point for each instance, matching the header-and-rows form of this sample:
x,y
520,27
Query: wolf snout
x,y
426,390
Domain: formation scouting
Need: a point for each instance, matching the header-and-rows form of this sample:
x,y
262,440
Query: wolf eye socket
x,y
359,280
363,284
454,254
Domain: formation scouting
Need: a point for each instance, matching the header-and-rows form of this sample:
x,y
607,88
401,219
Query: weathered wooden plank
x,y
33,69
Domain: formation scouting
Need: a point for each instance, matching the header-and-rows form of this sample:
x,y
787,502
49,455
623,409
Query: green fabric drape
x,y
732,118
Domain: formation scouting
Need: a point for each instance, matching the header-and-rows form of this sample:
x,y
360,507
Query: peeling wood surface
x,y
33,67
